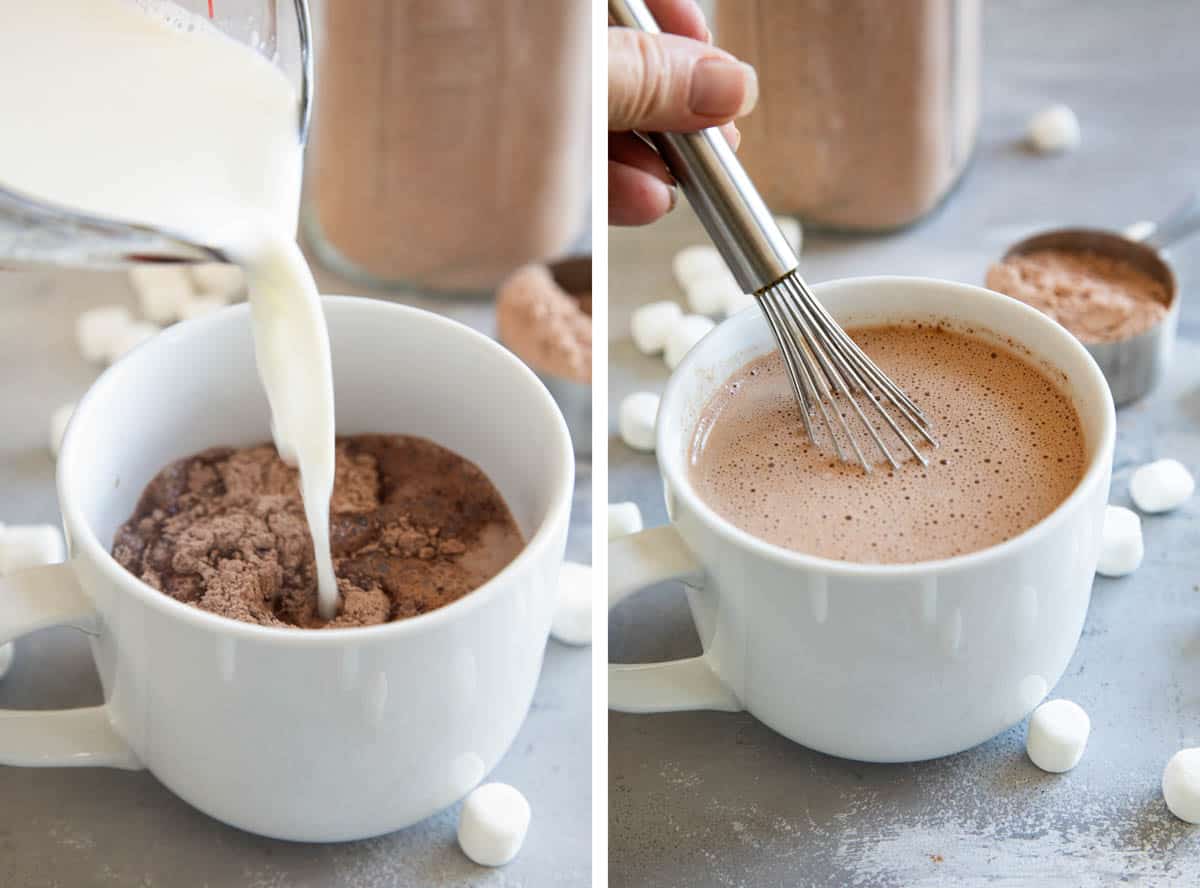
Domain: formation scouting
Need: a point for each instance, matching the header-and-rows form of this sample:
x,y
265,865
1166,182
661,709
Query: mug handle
x,y
39,598
635,562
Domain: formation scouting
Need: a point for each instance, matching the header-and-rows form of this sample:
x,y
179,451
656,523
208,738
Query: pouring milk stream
x,y
143,112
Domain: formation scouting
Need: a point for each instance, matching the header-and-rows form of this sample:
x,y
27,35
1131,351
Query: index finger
x,y
681,17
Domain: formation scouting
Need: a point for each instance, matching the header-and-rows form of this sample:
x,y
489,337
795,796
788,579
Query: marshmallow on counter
x,y
791,230
1121,547
493,823
1181,785
1139,231
739,302
697,264
690,330
652,323
636,418
98,328
30,545
218,279
162,289
1161,486
710,296
1058,733
130,337
623,519
200,306
1054,129
572,623
58,425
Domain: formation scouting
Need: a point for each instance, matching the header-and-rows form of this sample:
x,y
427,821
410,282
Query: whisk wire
x,y
802,397
847,377
826,367
809,360
862,371
799,368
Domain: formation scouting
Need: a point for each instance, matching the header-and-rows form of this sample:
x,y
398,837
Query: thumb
x,y
666,83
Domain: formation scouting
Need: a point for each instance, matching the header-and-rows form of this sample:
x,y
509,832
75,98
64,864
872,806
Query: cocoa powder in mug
x,y
414,527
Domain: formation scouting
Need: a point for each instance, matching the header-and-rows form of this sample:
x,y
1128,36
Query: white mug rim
x,y
671,464
85,543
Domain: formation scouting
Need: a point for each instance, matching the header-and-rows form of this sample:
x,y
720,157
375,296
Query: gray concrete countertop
x,y
77,828
717,799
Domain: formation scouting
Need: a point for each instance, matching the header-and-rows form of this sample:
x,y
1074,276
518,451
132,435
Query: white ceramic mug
x,y
316,735
878,663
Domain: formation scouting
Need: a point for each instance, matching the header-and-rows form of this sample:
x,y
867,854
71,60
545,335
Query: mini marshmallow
x,y
651,324
199,307
739,302
1139,231
218,278
1058,733
572,623
696,264
162,290
1161,486
1181,785
58,425
623,519
690,330
636,418
130,337
710,296
6,658
493,823
1121,542
97,328
791,230
1054,129
30,545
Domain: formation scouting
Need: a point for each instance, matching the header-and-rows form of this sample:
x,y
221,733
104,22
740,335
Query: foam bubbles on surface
x,y
1011,449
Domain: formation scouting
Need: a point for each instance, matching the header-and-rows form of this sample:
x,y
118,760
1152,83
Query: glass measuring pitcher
x,y
35,232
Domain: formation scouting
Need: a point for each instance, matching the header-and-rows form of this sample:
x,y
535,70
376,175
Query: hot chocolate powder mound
x,y
414,526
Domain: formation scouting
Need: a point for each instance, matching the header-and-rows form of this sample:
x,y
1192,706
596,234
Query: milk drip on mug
x,y
867,110
450,140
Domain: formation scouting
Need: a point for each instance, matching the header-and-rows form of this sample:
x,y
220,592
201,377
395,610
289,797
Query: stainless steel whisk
x,y
829,373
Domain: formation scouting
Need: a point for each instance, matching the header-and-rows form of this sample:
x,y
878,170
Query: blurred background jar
x,y
867,111
450,139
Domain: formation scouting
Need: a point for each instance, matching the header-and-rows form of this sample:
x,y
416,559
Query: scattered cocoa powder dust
x,y
1098,298
413,527
544,325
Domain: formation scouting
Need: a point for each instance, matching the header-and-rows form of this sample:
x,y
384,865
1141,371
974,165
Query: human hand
x,y
671,82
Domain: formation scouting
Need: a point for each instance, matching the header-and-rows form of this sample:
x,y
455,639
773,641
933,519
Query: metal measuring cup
x,y
39,234
1131,366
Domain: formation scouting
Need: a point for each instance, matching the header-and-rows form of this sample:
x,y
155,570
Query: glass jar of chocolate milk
x,y
450,139
867,110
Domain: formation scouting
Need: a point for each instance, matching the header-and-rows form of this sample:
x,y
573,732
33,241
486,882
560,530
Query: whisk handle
x,y
718,188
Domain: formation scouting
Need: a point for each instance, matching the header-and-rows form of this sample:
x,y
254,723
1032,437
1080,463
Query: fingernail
x,y
733,135
723,88
674,198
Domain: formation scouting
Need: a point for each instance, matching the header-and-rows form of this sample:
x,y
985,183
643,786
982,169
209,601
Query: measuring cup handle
x,y
635,562
1182,223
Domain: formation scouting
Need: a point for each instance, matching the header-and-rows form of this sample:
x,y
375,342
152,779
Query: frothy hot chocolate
x,y
1011,450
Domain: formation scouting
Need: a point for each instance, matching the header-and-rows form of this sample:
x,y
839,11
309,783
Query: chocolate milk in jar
x,y
450,138
867,110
